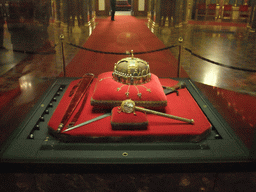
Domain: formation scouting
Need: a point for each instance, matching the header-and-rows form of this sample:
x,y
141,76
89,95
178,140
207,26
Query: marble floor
x,y
227,45
34,66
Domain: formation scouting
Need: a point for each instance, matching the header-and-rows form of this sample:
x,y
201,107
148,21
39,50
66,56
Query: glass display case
x,y
50,47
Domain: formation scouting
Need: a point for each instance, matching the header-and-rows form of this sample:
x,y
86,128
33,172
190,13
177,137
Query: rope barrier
x,y
37,52
165,48
219,64
118,53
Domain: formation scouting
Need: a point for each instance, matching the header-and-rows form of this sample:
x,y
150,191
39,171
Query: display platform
x,y
32,148
159,128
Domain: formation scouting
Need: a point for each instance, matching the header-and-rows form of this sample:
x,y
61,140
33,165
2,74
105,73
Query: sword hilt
x,y
71,124
60,127
174,88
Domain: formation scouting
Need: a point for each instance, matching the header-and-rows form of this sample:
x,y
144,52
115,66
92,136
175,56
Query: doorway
x,y
123,7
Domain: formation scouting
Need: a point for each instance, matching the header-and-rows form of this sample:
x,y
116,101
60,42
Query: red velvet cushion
x,y
128,121
106,93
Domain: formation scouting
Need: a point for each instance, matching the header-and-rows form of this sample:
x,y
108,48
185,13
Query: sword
x,y
175,88
87,122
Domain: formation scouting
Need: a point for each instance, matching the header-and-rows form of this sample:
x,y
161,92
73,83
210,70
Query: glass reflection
x,y
28,94
211,76
30,22
31,28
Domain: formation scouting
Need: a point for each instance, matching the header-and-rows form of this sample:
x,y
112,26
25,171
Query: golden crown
x,y
132,71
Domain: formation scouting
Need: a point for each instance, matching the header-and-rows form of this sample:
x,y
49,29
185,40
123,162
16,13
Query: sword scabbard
x,y
77,97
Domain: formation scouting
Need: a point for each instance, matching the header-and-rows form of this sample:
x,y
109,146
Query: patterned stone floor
x,y
180,182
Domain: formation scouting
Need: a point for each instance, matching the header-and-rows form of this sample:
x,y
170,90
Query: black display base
x,y
32,149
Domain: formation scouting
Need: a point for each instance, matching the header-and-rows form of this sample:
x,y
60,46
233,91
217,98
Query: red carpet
x,y
6,97
125,34
8,91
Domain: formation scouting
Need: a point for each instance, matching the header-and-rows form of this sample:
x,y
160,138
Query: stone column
x,y
154,16
180,13
167,12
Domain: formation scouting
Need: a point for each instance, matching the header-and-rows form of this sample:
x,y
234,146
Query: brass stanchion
x,y
180,49
252,18
63,56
